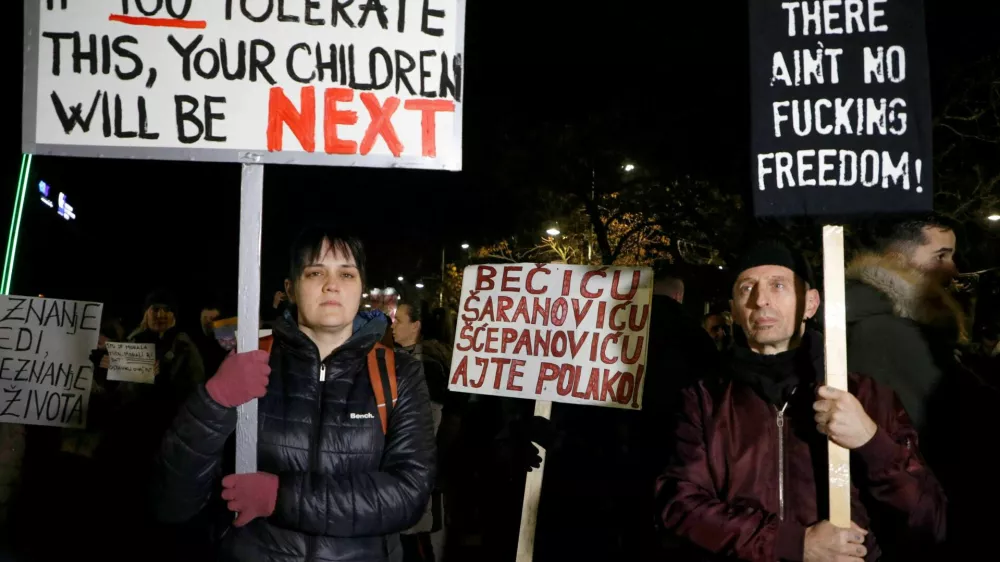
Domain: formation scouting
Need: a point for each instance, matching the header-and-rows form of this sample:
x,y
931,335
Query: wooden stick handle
x,y
836,367
532,496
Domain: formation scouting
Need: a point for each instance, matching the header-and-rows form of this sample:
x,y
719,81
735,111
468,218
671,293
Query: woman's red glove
x,y
241,378
250,495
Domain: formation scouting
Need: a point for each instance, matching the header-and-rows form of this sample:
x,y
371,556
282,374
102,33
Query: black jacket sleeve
x,y
386,501
189,464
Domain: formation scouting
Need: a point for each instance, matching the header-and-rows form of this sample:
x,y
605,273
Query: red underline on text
x,y
158,22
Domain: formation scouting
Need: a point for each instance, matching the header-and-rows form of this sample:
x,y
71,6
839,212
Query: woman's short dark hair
x,y
308,245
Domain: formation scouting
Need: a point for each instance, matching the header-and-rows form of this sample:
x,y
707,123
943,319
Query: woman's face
x,y
159,318
328,293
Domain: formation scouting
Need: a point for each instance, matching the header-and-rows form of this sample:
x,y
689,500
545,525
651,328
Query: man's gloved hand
x,y
241,378
542,431
530,457
525,433
250,495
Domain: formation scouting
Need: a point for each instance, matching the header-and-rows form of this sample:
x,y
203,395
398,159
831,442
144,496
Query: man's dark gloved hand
x,y
525,433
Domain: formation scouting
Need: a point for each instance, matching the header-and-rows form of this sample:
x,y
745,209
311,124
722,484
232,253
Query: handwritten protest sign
x,y
132,362
327,82
841,107
563,333
45,368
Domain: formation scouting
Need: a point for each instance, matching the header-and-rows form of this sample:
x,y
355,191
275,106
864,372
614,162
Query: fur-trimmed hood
x,y
906,293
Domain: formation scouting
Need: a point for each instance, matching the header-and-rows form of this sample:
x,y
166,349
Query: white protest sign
x,y
132,362
45,368
564,333
373,83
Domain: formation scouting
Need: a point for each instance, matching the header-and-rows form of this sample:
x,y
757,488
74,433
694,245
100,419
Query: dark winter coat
x,y
748,475
903,330
345,489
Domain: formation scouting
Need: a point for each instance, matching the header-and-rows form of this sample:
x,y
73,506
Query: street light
x,y
465,246
400,278
629,167
993,218
419,285
552,231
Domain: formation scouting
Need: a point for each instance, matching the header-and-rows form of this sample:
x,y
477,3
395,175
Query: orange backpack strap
x,y
382,373
266,343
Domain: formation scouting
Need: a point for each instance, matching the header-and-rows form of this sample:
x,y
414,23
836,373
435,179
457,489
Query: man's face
x,y
936,256
328,293
770,303
715,325
208,316
405,331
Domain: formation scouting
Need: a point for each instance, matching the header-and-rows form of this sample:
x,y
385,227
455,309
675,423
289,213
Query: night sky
x,y
679,68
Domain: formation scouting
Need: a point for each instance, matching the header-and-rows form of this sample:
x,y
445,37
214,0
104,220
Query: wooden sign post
x,y
838,131
168,100
835,347
532,495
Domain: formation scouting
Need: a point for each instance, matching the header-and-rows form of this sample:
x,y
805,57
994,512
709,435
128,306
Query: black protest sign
x,y
45,367
841,107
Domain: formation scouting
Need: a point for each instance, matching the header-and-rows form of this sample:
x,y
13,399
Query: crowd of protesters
x,y
726,461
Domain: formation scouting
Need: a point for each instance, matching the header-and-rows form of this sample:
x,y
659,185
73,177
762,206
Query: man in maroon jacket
x,y
748,480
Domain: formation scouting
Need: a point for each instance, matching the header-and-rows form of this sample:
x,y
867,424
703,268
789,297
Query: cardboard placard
x,y
561,333
319,82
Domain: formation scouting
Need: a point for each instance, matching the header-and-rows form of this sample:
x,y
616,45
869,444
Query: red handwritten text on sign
x,y
564,333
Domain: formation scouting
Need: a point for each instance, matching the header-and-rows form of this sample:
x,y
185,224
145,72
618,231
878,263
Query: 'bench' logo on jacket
x,y
368,416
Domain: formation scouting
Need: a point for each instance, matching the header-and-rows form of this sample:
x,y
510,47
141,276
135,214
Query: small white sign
x,y
132,362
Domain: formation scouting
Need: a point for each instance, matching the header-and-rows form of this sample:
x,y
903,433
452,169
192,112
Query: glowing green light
x,y
15,224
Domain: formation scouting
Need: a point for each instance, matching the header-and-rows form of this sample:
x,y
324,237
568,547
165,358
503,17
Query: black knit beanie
x,y
161,297
772,252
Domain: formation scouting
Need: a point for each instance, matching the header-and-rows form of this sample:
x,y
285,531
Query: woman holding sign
x,y
343,467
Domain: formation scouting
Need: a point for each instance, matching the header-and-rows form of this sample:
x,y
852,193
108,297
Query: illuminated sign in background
x,y
62,207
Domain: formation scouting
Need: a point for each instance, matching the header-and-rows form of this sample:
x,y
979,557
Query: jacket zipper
x,y
314,452
317,433
780,419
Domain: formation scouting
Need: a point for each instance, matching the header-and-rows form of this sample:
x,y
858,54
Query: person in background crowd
x,y
904,329
58,452
983,357
426,540
747,480
714,325
332,485
679,353
212,353
138,417
903,325
179,365
279,303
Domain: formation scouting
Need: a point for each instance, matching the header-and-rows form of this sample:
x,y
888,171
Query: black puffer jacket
x,y
345,489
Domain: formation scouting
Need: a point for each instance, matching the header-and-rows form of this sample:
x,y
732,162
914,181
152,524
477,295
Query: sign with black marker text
x,y
564,333
132,362
841,107
45,367
373,83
